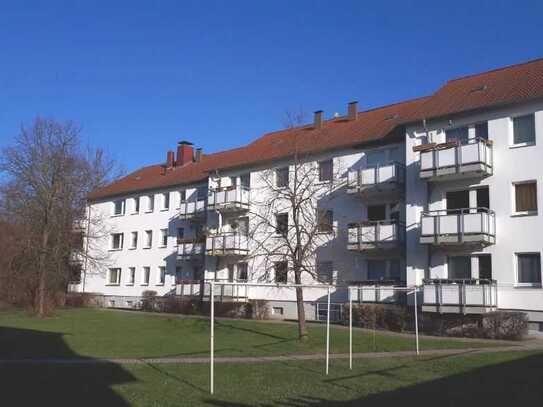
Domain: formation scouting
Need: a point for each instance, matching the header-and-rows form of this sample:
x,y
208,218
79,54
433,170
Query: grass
x,y
113,334
497,379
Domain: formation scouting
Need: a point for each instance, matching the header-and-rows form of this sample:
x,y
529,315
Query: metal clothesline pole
x,y
416,321
212,338
350,330
328,333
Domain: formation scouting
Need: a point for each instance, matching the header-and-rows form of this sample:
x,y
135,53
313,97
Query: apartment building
x,y
439,192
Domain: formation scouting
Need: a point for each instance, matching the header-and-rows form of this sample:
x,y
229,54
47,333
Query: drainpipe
x,y
427,203
86,249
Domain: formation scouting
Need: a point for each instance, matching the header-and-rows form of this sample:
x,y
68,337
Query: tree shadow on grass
x,y
516,382
54,384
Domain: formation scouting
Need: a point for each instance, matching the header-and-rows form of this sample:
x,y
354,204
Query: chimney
x,y
185,153
318,119
169,159
198,154
353,110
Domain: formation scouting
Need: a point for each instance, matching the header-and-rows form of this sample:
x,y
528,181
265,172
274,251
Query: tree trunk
x,y
302,327
42,292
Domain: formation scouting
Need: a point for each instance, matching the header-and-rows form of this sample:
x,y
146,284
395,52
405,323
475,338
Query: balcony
x,y
376,181
381,292
376,236
190,250
227,244
473,296
476,226
192,210
235,198
451,160
202,289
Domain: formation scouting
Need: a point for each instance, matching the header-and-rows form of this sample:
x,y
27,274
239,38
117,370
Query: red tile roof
x,y
513,84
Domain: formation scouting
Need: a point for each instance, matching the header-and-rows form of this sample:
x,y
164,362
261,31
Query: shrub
x,y
148,300
505,325
381,316
83,300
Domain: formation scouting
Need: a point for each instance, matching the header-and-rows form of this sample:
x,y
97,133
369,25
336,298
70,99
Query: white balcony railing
x,y
452,159
477,294
192,209
377,293
202,288
382,177
458,226
227,244
190,250
231,198
375,235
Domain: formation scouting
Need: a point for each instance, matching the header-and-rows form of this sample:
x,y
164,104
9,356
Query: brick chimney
x,y
185,153
353,110
169,159
317,122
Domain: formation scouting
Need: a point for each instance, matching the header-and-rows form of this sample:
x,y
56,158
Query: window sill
x,y
520,145
164,209
113,284
132,248
117,215
522,214
149,211
163,247
528,285
129,284
116,250
159,284
146,248
144,284
135,213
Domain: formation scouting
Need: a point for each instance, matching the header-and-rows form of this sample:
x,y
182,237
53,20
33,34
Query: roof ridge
x,y
502,68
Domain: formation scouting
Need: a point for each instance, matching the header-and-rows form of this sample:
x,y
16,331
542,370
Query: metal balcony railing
x,y
190,249
458,226
377,292
453,159
460,293
225,244
375,234
192,209
387,176
231,198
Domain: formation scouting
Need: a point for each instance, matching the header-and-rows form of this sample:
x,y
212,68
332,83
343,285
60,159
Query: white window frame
x,y
112,240
143,270
118,279
161,275
132,245
515,265
514,211
136,201
332,272
512,143
276,176
323,181
150,204
165,201
163,235
114,209
131,276
148,239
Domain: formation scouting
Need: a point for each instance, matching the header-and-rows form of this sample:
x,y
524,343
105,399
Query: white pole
x,y
416,322
350,330
212,338
328,333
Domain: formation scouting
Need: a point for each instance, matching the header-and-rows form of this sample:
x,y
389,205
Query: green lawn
x,y
106,333
498,379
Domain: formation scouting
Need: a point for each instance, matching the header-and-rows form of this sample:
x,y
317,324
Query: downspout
x,y
86,250
427,204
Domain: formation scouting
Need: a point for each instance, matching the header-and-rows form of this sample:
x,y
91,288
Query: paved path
x,y
527,346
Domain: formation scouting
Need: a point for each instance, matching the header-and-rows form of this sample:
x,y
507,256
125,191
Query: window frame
x,y
323,179
150,204
330,226
161,277
279,176
329,264
122,209
516,268
285,271
163,238
133,242
148,239
524,143
112,242
165,202
131,276
118,279
515,212
145,275
278,230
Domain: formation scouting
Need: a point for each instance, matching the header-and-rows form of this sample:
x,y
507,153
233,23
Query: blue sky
x,y
139,75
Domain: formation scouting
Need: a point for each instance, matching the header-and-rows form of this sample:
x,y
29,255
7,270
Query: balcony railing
x,y
231,198
382,178
458,226
190,249
376,235
192,209
377,292
227,244
468,296
202,288
454,160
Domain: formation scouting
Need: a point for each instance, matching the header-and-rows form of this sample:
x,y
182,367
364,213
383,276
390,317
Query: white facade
x,y
402,254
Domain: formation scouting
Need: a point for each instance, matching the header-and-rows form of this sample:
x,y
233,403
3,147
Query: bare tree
x,y
287,224
47,176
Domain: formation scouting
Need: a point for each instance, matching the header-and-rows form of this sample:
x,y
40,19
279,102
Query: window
x,y
394,270
245,180
178,274
325,170
150,203
281,272
183,195
136,202
325,272
148,238
165,201
243,274
281,177
133,240
325,219
180,235
164,237
481,130
161,275
529,268
459,267
377,269
377,212
281,224
277,311
117,241
460,134
524,130
118,207
485,266
114,277
146,275
201,193
131,275
374,158
526,197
